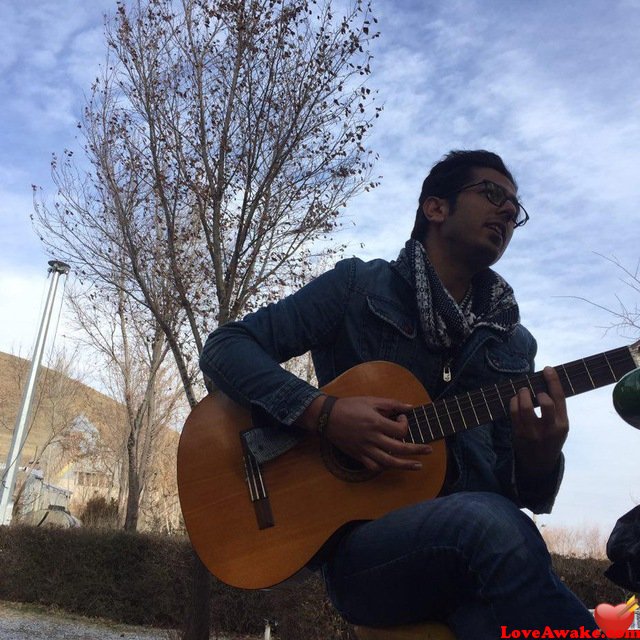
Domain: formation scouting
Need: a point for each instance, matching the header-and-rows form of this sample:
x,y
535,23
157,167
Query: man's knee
x,y
495,524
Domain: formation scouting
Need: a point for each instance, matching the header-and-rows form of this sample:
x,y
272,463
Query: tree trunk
x,y
198,611
133,495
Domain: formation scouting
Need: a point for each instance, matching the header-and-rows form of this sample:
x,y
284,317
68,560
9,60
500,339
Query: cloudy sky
x,y
551,86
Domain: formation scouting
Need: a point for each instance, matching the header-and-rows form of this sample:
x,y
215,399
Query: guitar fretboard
x,y
451,415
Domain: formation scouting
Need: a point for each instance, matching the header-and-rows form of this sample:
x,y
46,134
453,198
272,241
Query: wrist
x,y
308,419
316,416
325,414
535,475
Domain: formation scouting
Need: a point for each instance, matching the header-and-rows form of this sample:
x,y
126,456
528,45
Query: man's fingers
x,y
397,448
391,453
521,406
388,405
554,385
547,408
387,460
556,392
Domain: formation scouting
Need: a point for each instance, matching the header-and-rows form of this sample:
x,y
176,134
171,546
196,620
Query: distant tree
x,y
576,542
160,507
223,138
57,402
134,349
626,316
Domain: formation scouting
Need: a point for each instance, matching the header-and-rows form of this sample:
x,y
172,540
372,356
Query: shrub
x,y
143,579
100,514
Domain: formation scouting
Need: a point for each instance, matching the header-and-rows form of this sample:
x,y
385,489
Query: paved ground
x,y
31,622
20,621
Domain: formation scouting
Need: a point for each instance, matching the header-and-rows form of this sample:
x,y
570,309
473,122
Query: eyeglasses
x,y
497,196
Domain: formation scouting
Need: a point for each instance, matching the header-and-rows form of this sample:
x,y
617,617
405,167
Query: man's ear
x,y
435,209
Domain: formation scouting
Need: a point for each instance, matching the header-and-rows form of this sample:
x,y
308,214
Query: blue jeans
x,y
470,559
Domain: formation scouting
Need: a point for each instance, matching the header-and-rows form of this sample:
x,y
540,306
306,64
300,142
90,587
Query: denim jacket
x,y
359,312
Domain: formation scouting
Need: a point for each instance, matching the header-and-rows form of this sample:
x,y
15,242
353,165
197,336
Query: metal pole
x,y
19,432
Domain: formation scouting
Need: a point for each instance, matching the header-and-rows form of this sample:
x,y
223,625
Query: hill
x,y
59,402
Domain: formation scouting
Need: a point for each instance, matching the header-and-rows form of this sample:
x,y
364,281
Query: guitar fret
x,y
581,381
568,379
593,384
485,401
603,373
500,398
610,369
410,434
448,414
470,409
475,415
424,410
464,422
418,427
533,391
622,356
435,411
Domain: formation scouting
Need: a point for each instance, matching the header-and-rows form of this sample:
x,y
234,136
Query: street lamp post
x,y
7,486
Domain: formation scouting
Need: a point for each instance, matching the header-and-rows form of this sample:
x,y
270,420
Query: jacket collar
x,y
401,266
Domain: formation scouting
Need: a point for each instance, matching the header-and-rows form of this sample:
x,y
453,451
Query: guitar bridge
x,y
257,488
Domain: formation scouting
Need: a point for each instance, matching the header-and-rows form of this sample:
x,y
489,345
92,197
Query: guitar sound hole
x,y
347,462
343,466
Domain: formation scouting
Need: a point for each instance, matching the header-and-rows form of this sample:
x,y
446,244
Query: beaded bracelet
x,y
325,413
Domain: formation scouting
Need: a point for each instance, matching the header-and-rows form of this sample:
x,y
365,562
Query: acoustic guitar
x,y
254,525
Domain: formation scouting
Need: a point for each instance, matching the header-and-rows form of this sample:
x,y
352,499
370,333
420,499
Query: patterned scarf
x,y
489,302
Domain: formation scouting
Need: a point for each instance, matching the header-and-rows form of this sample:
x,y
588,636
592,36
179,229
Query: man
x,y
469,557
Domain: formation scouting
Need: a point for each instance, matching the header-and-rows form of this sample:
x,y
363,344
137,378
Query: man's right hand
x,y
370,430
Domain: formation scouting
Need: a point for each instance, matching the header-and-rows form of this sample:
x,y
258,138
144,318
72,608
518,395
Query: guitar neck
x,y
465,411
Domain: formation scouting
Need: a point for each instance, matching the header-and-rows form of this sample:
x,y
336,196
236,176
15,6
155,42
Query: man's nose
x,y
509,209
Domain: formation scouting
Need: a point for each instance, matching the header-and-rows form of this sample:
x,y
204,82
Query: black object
x,y
623,549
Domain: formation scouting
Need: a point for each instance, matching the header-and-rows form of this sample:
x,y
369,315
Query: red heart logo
x,y
611,619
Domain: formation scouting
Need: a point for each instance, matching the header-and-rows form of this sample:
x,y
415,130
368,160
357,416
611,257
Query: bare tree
x,y
160,507
626,316
581,541
58,401
223,138
60,431
134,349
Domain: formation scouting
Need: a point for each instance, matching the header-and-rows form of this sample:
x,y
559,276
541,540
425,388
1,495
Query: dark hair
x,y
451,173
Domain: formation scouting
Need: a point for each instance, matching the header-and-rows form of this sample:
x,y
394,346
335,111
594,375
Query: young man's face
x,y
477,230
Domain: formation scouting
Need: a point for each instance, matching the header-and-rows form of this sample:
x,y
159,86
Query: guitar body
x,y
310,494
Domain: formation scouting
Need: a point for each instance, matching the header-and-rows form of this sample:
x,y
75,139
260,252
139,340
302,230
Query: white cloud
x,y
22,305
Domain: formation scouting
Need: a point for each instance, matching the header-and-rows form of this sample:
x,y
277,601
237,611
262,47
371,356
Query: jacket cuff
x,y
540,497
286,405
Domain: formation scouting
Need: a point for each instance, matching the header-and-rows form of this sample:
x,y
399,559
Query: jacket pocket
x,y
387,331
502,359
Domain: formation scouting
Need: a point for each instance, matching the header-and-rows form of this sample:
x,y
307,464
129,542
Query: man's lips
x,y
499,228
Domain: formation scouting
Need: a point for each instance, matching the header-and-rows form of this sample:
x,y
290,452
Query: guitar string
x,y
486,397
594,366
577,369
487,394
